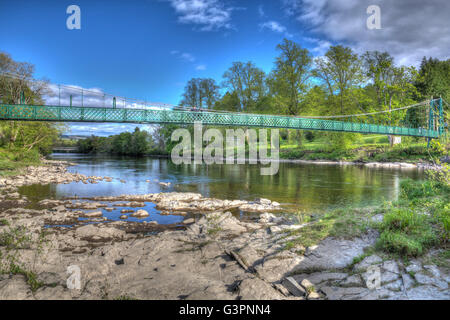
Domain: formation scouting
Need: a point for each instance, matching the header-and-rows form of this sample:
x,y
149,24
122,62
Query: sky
x,y
149,49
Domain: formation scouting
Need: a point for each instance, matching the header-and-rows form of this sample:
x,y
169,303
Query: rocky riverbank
x,y
211,255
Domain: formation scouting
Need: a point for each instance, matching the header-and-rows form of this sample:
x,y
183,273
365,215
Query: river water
x,y
305,187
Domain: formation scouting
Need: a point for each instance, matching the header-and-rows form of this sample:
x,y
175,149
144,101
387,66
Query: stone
x,y
394,286
391,266
307,285
140,214
94,214
433,270
313,296
15,288
189,221
337,293
422,278
352,281
414,266
366,263
257,289
427,292
408,281
293,287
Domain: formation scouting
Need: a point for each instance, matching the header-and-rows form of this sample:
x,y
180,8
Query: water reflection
x,y
306,186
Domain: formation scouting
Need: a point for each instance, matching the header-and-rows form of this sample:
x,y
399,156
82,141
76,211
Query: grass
x,y
12,161
11,241
344,223
365,148
420,220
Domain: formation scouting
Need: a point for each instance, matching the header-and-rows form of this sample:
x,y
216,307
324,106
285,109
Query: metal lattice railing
x,y
124,115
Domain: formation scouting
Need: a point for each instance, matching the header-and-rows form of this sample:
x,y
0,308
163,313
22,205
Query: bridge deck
x,y
94,114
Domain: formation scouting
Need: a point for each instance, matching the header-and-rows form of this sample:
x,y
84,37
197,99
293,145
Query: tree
x,y
288,81
16,83
200,92
379,67
247,82
434,79
340,70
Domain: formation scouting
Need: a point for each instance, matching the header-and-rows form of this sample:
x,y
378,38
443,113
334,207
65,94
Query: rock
x,y
391,266
334,253
313,296
394,286
257,289
422,278
366,263
15,288
293,287
307,285
124,217
414,266
140,214
352,281
387,277
427,292
126,211
189,221
90,230
265,202
337,293
320,277
94,214
433,270
408,281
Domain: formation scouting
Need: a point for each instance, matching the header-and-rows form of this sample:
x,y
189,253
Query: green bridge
x,y
25,112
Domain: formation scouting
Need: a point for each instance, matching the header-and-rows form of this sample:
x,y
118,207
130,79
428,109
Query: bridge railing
x,y
94,114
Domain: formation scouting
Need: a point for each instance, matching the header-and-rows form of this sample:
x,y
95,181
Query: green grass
x,y
344,223
419,221
365,148
12,161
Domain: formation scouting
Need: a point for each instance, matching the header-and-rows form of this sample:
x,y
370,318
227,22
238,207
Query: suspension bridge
x,y
432,126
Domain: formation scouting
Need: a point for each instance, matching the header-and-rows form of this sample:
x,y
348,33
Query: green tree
x,y
200,93
246,81
289,80
341,71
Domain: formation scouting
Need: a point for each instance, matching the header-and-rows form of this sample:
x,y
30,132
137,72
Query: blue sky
x,y
150,49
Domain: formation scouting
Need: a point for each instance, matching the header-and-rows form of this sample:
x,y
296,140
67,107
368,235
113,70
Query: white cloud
x,y
208,14
200,67
261,12
275,27
183,55
410,30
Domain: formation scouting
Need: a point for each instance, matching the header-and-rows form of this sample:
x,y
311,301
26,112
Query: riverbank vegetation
x,y
23,143
410,227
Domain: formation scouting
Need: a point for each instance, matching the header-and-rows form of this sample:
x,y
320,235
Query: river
x,y
305,187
